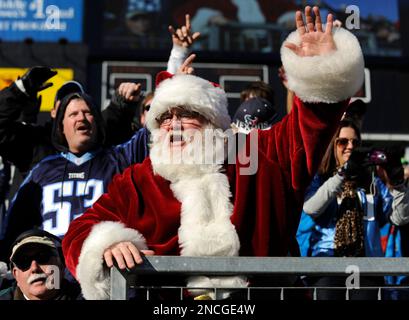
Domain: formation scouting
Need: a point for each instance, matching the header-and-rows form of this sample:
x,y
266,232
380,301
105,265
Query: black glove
x,y
34,80
356,163
30,111
393,167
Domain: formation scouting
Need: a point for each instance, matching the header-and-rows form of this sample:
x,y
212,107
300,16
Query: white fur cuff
x,y
330,78
93,277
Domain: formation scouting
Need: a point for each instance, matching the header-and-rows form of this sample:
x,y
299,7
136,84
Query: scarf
x,y
349,229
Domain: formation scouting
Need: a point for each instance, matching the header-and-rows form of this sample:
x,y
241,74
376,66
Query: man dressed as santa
x,y
178,203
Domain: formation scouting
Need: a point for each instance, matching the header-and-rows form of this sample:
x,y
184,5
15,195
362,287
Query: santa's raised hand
x,y
314,41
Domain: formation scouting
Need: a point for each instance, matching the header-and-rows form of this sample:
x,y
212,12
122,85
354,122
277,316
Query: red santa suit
x,y
222,211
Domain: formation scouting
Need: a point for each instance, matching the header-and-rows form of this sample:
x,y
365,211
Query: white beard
x,y
204,193
204,152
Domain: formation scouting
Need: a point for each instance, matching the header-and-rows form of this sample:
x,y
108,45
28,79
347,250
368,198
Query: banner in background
x,y
41,20
8,75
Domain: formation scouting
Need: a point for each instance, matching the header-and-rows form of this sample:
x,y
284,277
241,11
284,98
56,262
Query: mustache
x,y
36,276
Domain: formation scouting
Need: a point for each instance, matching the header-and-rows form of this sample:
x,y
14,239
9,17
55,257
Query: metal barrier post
x,y
119,285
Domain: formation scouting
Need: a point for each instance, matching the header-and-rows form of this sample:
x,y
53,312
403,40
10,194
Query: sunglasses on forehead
x,y
344,142
23,261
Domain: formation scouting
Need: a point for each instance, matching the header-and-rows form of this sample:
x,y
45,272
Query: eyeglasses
x,y
23,261
185,116
343,142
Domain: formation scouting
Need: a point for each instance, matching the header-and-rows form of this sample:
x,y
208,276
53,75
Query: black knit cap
x,y
67,88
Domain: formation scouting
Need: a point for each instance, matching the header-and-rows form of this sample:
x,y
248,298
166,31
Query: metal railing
x,y
175,267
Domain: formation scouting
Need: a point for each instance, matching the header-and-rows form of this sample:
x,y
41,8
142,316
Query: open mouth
x,y
39,279
84,129
177,139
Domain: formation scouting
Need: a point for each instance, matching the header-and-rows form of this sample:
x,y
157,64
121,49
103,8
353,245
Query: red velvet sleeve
x,y
300,140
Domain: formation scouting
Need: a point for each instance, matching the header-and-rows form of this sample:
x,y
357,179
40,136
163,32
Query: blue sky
x,y
386,8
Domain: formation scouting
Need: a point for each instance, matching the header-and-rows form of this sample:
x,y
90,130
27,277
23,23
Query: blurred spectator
x,y
139,27
258,89
38,267
254,113
139,21
343,214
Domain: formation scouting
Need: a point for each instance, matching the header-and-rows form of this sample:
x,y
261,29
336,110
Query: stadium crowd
x,y
142,177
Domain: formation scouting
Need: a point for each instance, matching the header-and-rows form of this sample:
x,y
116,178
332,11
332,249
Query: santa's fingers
x,y
136,255
148,252
128,255
119,258
299,22
309,19
318,22
108,258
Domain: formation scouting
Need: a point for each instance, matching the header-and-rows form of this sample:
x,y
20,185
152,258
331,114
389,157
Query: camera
x,y
377,157
369,156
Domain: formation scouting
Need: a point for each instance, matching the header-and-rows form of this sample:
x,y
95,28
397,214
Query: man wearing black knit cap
x,y
25,144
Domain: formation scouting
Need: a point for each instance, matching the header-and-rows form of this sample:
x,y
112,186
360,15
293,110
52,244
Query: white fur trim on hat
x,y
329,78
94,278
193,93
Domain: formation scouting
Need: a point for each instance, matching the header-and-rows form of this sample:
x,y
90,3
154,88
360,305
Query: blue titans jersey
x,y
61,187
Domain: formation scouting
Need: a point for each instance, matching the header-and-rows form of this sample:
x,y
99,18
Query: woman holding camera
x,y
346,205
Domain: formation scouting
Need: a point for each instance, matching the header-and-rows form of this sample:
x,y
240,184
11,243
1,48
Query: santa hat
x,y
191,93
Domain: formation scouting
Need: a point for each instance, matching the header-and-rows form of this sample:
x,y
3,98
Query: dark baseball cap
x,y
34,237
254,113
